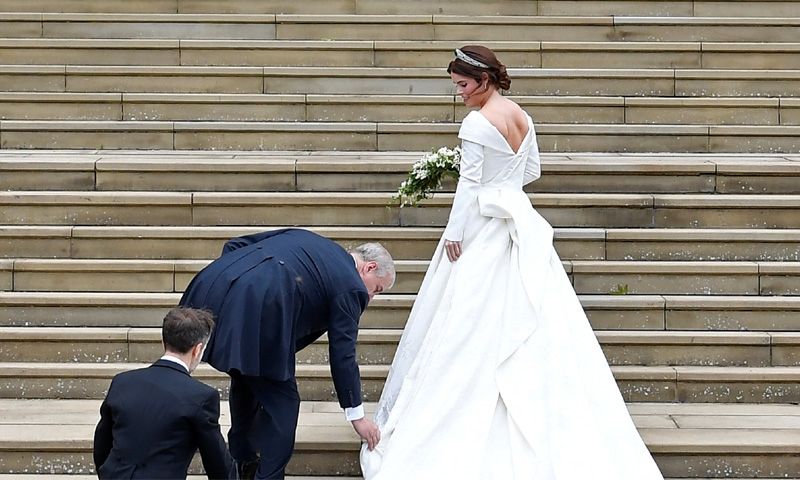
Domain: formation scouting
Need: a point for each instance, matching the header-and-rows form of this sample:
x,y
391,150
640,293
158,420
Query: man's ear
x,y
372,266
197,351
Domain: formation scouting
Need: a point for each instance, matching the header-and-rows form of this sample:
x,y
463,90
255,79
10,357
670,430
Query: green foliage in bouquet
x,y
427,175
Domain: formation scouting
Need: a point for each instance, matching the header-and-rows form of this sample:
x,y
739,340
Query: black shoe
x,y
247,470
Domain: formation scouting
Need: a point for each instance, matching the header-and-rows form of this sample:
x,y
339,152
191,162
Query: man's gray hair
x,y
374,252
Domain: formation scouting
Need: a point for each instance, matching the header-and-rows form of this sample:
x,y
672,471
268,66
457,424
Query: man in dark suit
x,y
154,419
273,294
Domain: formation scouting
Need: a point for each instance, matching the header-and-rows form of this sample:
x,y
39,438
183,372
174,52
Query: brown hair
x,y
496,70
183,328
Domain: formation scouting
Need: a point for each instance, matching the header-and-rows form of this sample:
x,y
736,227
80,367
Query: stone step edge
x,y
439,199
383,162
691,374
517,73
59,476
524,46
311,437
56,476
411,19
703,235
388,128
600,267
377,46
572,101
391,336
634,302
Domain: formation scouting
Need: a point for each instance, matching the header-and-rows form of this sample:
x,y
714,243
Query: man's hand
x,y
368,430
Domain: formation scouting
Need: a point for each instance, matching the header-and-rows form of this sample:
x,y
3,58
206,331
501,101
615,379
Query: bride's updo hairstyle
x,y
473,60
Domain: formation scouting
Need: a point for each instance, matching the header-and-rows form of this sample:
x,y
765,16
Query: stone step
x,y
445,109
378,209
688,8
663,82
605,312
385,136
407,243
50,437
383,171
67,476
13,476
686,384
378,346
685,277
231,50
207,242
588,277
656,82
465,25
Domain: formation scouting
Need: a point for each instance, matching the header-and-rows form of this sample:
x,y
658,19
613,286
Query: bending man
x,y
273,294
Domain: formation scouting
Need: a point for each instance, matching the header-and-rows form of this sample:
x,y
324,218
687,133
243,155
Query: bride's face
x,y
470,90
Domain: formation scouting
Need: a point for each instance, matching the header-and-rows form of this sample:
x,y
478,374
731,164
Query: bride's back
x,y
509,119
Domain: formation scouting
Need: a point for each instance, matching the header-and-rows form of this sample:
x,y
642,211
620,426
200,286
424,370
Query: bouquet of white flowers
x,y
427,175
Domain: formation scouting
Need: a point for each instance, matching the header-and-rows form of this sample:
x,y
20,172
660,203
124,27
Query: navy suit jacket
x,y
273,294
152,422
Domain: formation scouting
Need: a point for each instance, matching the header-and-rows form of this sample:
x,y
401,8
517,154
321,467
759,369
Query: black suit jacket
x,y
274,293
152,422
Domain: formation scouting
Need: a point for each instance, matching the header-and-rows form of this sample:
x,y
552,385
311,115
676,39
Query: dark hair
x,y
496,71
183,328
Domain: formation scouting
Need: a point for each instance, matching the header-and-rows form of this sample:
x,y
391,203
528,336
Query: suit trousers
x,y
263,419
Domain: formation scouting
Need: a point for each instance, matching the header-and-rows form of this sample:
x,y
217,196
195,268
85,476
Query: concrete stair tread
x,y
377,135
523,77
12,476
605,312
367,161
652,277
572,266
372,335
56,476
435,108
377,346
632,301
382,171
205,242
408,53
374,45
366,18
617,210
780,8
378,372
401,72
383,198
68,424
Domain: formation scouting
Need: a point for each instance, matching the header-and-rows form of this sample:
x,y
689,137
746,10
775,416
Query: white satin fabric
x,y
498,374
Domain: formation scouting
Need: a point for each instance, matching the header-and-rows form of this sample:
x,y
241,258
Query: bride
x,y
498,374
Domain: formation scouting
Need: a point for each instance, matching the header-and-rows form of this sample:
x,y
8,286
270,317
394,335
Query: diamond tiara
x,y
467,59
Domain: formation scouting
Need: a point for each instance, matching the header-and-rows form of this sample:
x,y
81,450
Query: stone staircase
x,y
684,248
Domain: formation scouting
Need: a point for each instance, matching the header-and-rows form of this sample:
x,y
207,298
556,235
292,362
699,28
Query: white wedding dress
x,y
498,374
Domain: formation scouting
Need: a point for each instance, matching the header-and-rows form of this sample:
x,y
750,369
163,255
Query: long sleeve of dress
x,y
469,183
533,166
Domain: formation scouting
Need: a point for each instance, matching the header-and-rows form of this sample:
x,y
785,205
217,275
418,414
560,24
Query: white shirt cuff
x,y
354,413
